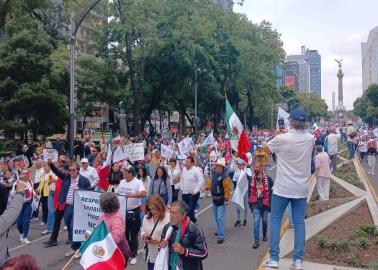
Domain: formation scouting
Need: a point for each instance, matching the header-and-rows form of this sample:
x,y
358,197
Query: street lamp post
x,y
195,122
75,21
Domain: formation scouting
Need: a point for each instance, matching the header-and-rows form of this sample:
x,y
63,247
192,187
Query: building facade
x,y
309,71
369,55
313,58
225,4
303,72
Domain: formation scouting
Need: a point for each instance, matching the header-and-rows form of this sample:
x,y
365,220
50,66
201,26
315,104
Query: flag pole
x,y
70,260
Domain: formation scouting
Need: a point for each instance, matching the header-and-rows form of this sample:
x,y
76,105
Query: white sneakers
x,y
45,232
65,228
70,253
134,261
271,264
297,265
42,223
25,240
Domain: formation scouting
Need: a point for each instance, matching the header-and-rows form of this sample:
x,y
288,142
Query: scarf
x,y
176,260
253,193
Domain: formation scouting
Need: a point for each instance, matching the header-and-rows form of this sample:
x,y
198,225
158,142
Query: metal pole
x,y
195,100
72,86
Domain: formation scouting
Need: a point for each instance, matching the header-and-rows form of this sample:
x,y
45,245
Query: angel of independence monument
x,y
340,109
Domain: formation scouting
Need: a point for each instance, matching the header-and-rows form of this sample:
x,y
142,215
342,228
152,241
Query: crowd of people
x,y
164,191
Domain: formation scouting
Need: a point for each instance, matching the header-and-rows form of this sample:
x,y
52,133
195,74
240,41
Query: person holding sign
x,y
133,189
71,182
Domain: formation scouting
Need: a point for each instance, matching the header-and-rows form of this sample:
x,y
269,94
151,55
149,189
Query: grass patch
x,y
344,154
348,173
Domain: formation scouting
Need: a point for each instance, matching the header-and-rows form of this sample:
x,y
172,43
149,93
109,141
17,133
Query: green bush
x,y
348,173
340,245
352,260
374,265
322,241
363,242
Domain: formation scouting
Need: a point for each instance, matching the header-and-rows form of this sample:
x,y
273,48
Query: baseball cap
x,y
25,172
130,169
84,160
298,114
240,161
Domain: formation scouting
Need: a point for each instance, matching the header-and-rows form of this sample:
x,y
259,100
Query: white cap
x,y
84,160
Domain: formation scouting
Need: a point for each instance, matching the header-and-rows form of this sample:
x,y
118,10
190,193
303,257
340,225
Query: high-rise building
x,y
304,72
369,55
309,75
225,4
291,75
313,58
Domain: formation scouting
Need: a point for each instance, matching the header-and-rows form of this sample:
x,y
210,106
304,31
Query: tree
x,y
29,102
314,106
366,106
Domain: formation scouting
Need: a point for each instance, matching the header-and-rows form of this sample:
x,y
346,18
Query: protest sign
x,y
166,151
185,146
20,162
134,151
87,212
282,114
50,154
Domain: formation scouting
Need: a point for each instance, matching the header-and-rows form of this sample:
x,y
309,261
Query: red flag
x,y
243,146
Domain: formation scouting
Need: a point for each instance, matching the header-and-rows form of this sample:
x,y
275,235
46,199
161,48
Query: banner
x,y
87,212
186,145
50,154
283,115
119,154
240,190
210,140
134,151
166,151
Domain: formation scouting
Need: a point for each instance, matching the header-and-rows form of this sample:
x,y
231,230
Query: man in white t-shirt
x,y
191,184
294,153
89,172
134,190
332,141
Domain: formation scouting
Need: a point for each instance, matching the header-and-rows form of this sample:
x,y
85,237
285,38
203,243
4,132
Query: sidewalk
x,y
373,179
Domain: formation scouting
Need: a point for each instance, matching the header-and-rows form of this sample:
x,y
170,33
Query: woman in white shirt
x,y
146,180
154,221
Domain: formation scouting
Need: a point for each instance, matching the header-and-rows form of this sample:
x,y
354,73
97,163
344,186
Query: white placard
x,y
186,145
166,151
50,154
87,212
134,151
282,114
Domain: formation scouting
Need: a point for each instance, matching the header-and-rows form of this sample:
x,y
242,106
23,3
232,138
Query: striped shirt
x,y
73,186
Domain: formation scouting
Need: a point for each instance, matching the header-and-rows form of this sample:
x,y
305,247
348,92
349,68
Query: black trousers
x,y
133,224
58,220
175,193
45,208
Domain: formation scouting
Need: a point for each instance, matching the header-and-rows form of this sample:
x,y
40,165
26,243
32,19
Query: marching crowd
x,y
164,191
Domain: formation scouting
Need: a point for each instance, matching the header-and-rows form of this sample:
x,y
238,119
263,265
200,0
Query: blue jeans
x,y
351,149
219,216
150,266
51,212
298,207
23,220
144,200
191,201
258,216
68,220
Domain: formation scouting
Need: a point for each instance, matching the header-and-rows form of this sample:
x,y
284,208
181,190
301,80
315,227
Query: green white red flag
x,y
238,137
100,251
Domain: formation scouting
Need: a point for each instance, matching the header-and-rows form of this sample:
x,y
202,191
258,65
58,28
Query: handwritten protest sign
x,y
50,154
134,151
87,212
166,151
186,145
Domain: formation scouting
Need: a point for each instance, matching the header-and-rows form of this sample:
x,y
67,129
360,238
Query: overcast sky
x,y
335,28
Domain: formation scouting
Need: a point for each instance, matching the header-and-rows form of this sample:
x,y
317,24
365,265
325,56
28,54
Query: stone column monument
x,y
340,110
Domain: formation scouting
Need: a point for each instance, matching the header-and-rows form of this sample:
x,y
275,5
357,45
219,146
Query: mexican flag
x,y
101,252
239,140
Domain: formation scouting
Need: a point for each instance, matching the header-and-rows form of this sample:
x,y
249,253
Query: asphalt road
x,y
235,253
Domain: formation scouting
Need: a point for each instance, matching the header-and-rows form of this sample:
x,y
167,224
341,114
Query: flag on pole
x,y
239,140
109,156
210,140
101,252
